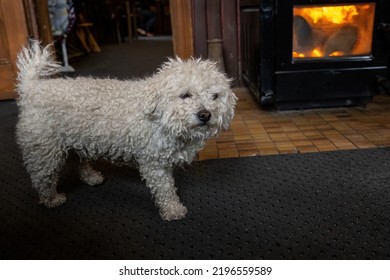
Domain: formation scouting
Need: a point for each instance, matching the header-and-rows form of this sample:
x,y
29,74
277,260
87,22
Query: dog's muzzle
x,y
204,116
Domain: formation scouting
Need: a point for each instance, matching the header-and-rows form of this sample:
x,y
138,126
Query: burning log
x,y
303,35
342,42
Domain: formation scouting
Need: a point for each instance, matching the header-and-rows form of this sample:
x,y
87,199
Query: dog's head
x,y
193,98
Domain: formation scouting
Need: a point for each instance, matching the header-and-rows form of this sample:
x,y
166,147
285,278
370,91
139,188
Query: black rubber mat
x,y
333,205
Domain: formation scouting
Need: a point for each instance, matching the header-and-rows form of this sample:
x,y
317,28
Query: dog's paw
x,y
55,201
175,211
92,178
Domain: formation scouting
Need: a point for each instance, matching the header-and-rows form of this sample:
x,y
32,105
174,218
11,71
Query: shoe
x,y
141,31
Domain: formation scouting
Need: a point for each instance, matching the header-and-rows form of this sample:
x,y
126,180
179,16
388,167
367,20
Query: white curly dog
x,y
158,122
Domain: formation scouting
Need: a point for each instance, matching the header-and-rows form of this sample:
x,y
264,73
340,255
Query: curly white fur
x,y
159,122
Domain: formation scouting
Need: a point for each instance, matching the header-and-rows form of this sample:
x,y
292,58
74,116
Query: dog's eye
x,y
185,95
215,96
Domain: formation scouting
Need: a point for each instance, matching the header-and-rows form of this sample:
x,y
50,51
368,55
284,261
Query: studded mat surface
x,y
333,205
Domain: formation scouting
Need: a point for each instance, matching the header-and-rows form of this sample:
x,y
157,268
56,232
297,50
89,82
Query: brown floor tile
x,y
248,153
268,151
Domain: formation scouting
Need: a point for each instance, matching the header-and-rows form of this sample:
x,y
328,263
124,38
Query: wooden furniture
x,y
121,9
13,36
85,35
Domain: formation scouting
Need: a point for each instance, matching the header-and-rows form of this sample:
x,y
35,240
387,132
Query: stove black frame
x,y
271,73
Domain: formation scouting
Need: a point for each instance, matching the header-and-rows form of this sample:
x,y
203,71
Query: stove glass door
x,y
332,31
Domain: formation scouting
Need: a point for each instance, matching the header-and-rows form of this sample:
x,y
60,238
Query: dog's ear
x,y
150,105
231,104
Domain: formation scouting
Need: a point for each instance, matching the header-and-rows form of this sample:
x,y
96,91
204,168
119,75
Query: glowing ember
x,y
316,53
337,54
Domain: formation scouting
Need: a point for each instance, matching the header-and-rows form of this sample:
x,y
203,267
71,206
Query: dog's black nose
x,y
204,115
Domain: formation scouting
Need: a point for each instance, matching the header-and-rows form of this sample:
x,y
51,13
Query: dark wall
x,y
218,19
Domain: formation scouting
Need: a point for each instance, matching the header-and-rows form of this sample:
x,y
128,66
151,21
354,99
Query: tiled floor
x,y
258,131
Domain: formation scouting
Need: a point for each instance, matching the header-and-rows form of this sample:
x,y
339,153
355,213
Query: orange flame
x,y
330,14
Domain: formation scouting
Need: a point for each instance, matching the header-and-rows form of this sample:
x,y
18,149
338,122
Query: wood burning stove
x,y
302,54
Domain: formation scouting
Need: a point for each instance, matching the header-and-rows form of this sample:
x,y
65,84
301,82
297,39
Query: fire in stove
x,y
332,31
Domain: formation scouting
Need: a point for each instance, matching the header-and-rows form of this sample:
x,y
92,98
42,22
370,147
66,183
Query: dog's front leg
x,y
162,185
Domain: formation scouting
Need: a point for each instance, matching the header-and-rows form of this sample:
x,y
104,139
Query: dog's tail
x,y
35,62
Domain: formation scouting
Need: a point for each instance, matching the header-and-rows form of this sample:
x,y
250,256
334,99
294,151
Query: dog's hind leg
x,y
161,183
89,175
44,166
